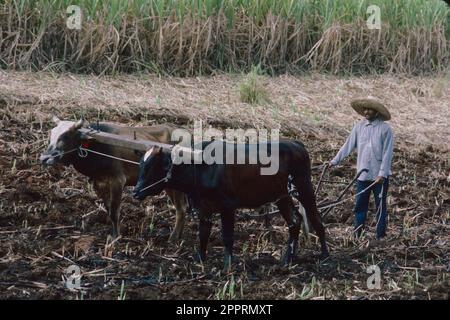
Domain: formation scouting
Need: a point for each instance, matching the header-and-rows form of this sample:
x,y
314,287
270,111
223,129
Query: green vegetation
x,y
252,90
187,37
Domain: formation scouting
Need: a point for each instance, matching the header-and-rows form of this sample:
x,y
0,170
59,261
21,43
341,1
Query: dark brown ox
x,y
222,187
110,176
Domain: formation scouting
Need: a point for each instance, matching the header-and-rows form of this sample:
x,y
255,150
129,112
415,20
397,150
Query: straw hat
x,y
360,104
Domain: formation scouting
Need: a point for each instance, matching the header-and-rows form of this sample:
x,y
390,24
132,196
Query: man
x,y
374,141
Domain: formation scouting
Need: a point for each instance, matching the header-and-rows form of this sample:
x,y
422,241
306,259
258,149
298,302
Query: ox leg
x,y
180,202
308,200
102,188
111,194
228,238
116,189
204,232
287,211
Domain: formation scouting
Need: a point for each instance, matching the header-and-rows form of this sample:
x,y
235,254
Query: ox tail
x,y
299,210
301,178
305,224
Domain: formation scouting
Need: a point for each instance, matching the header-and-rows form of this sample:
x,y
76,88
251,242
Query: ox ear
x,y
56,119
148,153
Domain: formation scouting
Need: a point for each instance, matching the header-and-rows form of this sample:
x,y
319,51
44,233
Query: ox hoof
x,y
115,235
227,264
115,232
287,259
291,253
174,238
199,257
324,255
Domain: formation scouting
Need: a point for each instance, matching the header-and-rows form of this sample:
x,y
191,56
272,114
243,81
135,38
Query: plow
x,y
325,206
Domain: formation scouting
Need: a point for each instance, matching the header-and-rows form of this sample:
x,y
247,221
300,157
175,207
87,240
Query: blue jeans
x,y
362,206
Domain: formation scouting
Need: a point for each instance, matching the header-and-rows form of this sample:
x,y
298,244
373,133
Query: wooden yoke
x,y
121,141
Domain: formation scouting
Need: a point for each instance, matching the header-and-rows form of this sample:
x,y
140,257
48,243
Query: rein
x,y
348,198
165,179
83,152
102,154
61,154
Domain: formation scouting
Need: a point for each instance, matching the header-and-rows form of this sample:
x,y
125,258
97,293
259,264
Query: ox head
x,y
154,166
63,138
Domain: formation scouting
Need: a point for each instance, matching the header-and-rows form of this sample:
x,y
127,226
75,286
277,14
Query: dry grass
x,y
251,88
314,104
282,35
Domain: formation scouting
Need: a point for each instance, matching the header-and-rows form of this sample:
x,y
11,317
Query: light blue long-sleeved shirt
x,y
375,143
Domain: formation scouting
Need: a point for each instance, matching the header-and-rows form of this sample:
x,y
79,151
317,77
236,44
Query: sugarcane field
x,y
225,150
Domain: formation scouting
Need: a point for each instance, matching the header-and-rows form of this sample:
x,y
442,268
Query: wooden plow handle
x,y
328,209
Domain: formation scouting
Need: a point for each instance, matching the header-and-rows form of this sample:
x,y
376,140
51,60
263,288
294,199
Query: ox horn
x,y
79,124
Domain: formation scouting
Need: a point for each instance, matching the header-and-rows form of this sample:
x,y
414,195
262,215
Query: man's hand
x,y
379,179
329,164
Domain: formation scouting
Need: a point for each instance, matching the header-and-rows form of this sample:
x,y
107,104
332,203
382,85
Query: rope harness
x,y
348,198
165,179
63,153
379,209
83,152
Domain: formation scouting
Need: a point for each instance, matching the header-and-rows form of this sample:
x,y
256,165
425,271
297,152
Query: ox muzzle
x,y
50,158
137,194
